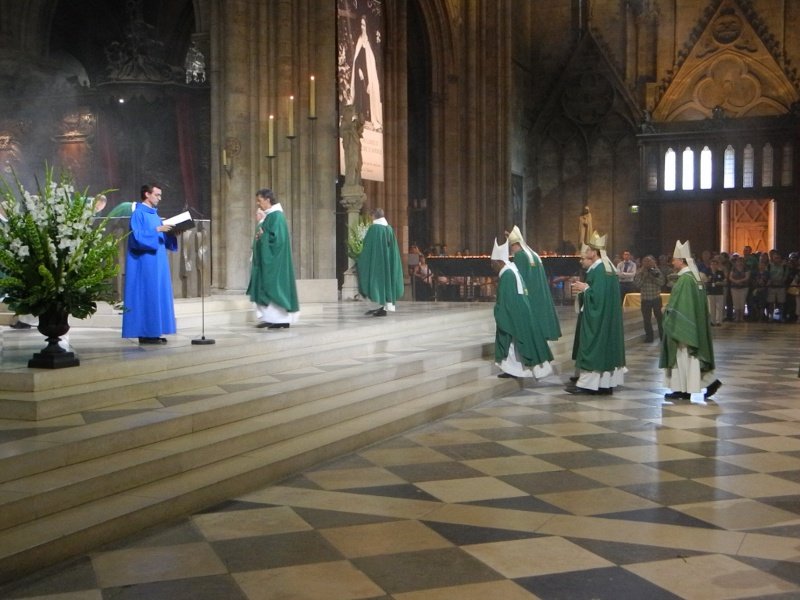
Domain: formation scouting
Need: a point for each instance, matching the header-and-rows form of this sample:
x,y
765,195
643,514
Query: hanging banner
x,y
361,41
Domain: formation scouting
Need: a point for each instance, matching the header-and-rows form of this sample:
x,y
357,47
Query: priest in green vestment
x,y
599,348
687,350
380,270
533,274
272,285
520,348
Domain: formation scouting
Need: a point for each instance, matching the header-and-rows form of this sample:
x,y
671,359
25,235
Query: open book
x,y
180,222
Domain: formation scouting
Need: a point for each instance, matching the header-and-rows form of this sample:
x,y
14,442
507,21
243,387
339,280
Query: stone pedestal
x,y
353,198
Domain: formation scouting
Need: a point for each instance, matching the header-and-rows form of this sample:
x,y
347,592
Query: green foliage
x,y
53,253
355,237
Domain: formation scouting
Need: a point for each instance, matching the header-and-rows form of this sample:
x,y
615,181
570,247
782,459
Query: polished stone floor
x,y
536,495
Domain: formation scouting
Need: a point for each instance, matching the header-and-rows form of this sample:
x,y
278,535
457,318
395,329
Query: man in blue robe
x,y
149,312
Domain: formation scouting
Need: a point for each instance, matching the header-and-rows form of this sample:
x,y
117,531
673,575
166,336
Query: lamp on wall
x,y
227,165
633,208
230,151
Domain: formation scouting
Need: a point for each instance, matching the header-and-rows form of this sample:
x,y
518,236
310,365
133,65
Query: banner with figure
x,y
360,78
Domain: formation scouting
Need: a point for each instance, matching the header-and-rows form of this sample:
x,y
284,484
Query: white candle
x,y
312,99
271,137
224,158
291,117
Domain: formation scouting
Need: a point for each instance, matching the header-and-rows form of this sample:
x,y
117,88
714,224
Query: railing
x,y
470,278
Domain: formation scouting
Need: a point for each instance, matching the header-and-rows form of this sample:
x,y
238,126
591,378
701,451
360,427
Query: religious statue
x,y
351,130
584,226
195,65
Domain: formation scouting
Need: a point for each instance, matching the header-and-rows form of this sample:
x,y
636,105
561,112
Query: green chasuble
x,y
512,314
122,210
599,338
539,296
272,272
686,322
380,270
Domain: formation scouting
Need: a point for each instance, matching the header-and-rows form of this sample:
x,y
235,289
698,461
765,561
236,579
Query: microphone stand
x,y
203,341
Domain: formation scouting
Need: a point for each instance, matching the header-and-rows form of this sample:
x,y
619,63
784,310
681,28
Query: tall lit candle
x,y
312,99
271,137
291,117
224,158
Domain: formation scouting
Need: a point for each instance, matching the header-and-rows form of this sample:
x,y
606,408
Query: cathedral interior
x,y
516,112
645,120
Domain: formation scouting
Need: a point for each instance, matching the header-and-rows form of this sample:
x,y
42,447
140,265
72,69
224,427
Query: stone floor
x,y
537,495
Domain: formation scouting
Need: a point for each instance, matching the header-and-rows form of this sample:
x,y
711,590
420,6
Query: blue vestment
x,y
149,310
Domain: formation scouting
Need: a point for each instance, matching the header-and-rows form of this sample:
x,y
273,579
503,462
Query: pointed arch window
x,y
767,166
748,165
786,164
669,170
706,169
729,174
652,172
687,182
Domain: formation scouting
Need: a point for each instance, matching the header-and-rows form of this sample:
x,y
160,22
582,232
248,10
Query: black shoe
x,y
381,312
712,388
678,396
507,376
574,389
152,340
574,378
605,391
278,326
648,340
20,325
263,324
372,312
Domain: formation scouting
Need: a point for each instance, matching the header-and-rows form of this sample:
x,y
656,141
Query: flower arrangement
x,y
53,256
355,237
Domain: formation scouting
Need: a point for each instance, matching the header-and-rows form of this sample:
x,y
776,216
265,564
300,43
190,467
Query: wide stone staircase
x,y
212,422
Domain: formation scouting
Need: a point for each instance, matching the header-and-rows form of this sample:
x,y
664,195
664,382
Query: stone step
x,y
282,416
194,367
29,546
181,354
95,440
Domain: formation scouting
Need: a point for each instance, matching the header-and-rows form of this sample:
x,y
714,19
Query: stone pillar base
x,y
350,285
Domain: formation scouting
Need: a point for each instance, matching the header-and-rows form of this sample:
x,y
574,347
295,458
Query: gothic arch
x,y
437,19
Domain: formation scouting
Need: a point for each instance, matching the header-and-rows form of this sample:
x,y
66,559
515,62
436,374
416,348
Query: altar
x,y
634,300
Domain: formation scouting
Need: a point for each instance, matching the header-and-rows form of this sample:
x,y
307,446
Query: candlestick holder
x,y
312,184
271,159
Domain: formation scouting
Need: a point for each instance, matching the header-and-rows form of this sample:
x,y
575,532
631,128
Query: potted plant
x,y
56,261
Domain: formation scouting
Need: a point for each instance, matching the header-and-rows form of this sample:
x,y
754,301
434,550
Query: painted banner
x,y
360,46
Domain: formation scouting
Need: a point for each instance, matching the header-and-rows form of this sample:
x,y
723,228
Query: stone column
x,y
353,199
